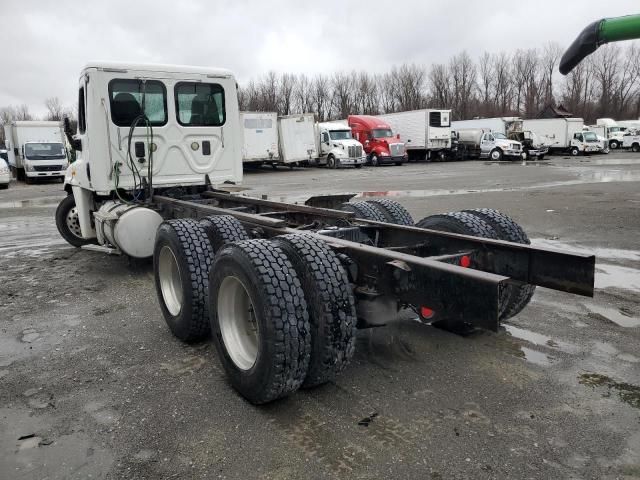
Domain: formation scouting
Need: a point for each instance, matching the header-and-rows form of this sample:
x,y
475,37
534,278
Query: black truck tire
x,y
330,303
68,224
392,211
182,257
507,229
259,320
364,210
466,224
223,229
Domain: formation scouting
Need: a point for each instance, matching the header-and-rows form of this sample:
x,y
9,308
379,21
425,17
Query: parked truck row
x,y
35,149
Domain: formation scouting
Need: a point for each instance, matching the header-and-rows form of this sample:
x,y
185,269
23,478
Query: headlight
x,y
29,168
384,154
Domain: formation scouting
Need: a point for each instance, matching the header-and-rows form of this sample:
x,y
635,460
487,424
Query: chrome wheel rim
x,y
73,222
495,155
237,321
170,281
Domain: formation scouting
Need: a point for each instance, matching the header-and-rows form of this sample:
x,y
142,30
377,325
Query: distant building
x,y
551,111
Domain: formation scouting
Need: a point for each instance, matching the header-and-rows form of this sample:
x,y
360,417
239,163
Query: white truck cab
x,y
496,145
613,132
585,142
145,130
337,147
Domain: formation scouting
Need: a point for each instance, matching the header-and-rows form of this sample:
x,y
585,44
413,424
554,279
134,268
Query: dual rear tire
x,y
488,223
281,313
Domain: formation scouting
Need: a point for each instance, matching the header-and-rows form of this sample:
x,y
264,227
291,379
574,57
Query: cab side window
x,y
325,137
130,98
82,122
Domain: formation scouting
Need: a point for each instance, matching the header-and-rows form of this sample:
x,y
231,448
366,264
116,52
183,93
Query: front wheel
x,y
68,222
496,155
575,152
524,156
614,144
635,147
375,161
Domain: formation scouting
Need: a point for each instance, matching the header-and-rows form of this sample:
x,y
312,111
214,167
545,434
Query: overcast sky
x,y
45,43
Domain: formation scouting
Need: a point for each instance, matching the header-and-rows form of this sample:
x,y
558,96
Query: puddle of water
x,y
535,357
599,252
614,276
538,338
614,161
605,176
627,392
35,202
614,315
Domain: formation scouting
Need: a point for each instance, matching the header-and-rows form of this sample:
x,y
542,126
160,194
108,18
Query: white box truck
x,y
564,135
337,147
611,131
297,135
35,149
426,133
533,147
259,137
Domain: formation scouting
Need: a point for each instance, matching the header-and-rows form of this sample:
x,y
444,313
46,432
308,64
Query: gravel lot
x,y
95,386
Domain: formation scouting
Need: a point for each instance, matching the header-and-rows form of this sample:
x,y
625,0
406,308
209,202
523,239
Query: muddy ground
x,y
95,386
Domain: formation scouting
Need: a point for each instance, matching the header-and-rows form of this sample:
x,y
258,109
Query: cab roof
x,y
369,121
158,67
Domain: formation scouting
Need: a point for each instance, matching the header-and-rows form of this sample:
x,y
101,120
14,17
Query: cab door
x,y
486,144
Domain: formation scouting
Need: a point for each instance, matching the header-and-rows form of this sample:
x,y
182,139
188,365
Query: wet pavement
x,y
94,386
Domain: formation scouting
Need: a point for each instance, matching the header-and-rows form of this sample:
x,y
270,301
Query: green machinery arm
x,y
596,34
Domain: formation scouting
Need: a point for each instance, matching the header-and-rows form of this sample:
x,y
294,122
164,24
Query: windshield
x,y
617,129
590,137
381,133
340,134
44,151
498,135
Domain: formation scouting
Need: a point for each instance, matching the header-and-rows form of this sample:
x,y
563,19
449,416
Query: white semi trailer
x,y
426,133
259,137
564,135
297,137
35,150
280,287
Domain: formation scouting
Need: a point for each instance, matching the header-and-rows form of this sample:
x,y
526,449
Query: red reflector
x,y
465,261
426,312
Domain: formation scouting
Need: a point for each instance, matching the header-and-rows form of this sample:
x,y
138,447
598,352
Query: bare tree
x,y
54,108
439,87
286,87
463,75
22,113
303,95
321,94
549,60
386,84
343,95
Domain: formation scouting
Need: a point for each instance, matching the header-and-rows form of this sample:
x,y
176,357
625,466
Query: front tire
x,y
68,222
331,162
575,152
614,144
259,320
496,155
182,257
375,161
635,147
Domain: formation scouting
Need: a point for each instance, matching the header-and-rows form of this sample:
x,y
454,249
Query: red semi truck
x,y
380,144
